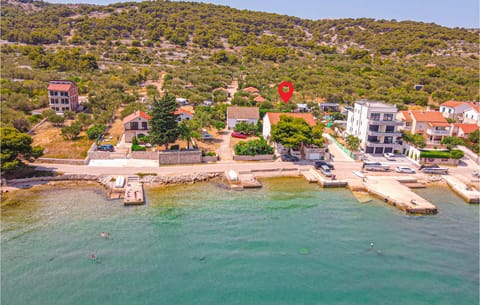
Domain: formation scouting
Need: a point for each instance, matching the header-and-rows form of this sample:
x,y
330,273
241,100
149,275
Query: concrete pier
x,y
400,196
469,194
327,182
248,180
309,176
134,191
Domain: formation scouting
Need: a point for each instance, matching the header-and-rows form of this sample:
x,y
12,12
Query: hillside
x,y
111,50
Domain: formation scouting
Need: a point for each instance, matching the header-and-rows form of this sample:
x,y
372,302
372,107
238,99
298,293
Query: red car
x,y
240,135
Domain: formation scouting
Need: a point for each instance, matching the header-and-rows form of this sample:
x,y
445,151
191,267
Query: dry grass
x,y
50,138
116,130
234,141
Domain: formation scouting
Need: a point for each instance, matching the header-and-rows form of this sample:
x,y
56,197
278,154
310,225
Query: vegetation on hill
x,y
194,49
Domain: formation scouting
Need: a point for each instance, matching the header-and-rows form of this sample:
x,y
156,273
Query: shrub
x,y
253,147
450,154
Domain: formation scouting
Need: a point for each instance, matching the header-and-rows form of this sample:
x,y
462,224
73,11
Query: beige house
x,y
136,124
242,114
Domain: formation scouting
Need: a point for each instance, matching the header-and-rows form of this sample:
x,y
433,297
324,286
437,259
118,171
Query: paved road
x,y
170,170
338,154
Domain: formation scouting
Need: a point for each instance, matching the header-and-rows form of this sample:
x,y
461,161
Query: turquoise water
x,y
287,243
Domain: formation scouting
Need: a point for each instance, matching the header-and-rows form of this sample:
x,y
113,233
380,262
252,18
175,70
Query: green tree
x,y
353,143
291,132
451,142
248,128
164,128
16,147
185,132
474,136
71,132
95,131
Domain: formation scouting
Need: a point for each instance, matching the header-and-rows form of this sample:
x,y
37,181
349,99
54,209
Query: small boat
x,y
119,182
233,175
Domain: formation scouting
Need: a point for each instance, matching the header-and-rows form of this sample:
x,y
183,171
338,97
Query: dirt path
x,y
232,89
225,151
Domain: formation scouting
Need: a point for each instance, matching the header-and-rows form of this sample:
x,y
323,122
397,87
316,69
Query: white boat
x,y
232,175
120,181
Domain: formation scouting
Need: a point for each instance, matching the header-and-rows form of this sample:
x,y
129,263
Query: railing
x,y
434,132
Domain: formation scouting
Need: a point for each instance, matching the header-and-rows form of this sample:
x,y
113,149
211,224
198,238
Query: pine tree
x,y
164,128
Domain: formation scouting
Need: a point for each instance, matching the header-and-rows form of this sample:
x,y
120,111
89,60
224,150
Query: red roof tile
x,y
439,124
452,104
406,115
59,87
180,110
259,99
474,106
251,90
243,113
427,116
135,115
467,128
274,117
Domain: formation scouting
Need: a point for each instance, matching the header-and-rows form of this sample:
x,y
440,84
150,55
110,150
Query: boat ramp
x,y
134,194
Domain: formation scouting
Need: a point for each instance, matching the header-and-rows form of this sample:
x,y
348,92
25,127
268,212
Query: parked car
x,y
318,164
389,156
239,134
375,166
326,171
206,136
289,158
405,169
106,147
434,169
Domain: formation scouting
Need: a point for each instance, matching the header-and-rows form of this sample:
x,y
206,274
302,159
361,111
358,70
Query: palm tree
x,y
185,132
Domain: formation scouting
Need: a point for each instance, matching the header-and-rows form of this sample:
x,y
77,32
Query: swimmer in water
x,y
105,235
372,244
93,257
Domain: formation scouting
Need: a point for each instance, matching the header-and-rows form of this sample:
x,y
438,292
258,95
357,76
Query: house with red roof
x,y
272,118
453,109
472,114
462,130
431,124
237,114
136,124
183,114
62,95
251,90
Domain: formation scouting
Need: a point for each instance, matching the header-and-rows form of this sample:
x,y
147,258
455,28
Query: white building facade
x,y
375,124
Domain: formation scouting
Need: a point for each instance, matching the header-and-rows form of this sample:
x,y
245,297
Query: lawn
x,y
55,146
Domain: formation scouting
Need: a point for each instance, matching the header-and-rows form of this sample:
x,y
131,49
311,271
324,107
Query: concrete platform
x,y
309,176
468,194
327,182
134,192
248,180
399,195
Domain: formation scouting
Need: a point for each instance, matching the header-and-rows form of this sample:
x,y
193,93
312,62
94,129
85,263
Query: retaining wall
x,y
253,158
150,155
64,161
180,157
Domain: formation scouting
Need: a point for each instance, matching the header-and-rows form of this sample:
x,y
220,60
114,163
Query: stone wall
x,y
253,158
439,161
180,157
150,155
64,161
207,159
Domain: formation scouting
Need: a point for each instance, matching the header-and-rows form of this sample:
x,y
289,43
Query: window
x,y
134,125
52,101
390,129
375,116
144,125
373,128
388,140
388,117
372,139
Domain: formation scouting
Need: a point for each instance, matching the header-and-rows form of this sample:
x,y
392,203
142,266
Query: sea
x,y
289,242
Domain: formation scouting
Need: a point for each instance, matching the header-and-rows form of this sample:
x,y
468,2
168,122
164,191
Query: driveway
x,y
225,152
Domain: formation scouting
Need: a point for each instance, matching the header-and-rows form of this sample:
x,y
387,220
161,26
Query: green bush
x,y
247,128
138,148
450,154
253,147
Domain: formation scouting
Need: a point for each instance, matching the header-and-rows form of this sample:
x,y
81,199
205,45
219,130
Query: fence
x,y
353,156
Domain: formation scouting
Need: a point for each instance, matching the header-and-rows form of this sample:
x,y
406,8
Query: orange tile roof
x,y
452,104
427,116
439,124
467,128
406,115
251,90
135,115
243,113
274,117
259,99
185,111
59,87
474,106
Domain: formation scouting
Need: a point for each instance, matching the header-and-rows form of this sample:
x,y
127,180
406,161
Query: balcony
x,y
380,122
438,132
382,144
383,133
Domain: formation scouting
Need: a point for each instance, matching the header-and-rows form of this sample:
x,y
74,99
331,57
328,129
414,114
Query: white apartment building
x,y
375,124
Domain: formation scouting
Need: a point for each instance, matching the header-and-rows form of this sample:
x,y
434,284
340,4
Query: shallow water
x,y
287,243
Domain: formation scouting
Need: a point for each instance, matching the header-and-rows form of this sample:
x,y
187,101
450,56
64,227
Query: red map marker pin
x,y
285,95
